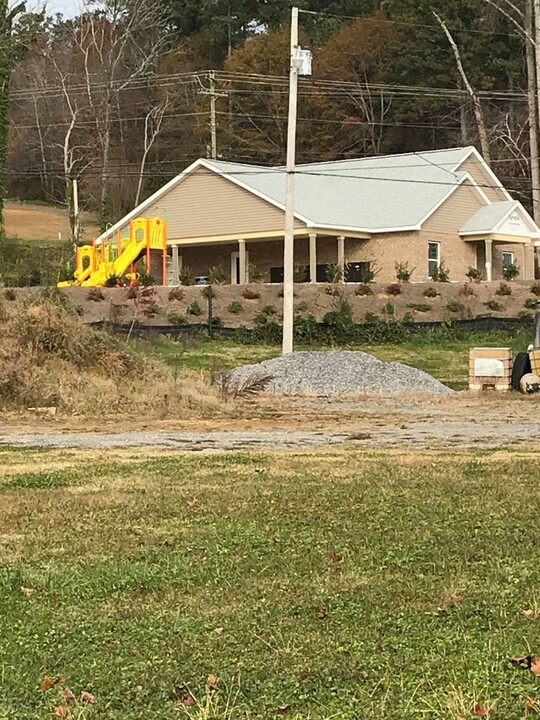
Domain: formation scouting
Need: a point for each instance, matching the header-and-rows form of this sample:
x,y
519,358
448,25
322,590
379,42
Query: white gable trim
x,y
534,230
489,171
149,200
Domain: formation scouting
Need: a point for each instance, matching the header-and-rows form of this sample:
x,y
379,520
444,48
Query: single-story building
x,y
362,216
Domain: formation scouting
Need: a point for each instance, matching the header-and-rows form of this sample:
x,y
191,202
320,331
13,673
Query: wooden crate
x,y
535,361
490,369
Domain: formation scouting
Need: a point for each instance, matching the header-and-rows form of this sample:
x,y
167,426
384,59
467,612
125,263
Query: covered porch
x,y
503,235
259,256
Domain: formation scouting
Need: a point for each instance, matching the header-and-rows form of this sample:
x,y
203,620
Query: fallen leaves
x,y
529,613
61,712
86,697
212,682
530,705
47,683
480,710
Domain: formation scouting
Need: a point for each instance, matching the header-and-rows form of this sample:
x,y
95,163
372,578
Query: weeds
x,y
466,290
503,290
455,307
194,309
494,305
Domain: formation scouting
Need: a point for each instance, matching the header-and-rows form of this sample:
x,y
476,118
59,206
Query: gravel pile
x,y
328,373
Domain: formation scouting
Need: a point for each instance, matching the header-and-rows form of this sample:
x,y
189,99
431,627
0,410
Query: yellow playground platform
x,y
96,263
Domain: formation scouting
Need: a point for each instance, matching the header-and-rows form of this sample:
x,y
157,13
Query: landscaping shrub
x,y
530,303
176,293
95,294
363,290
455,307
441,274
473,274
430,292
334,273
255,274
302,307
403,272
266,329
132,292
268,310
393,289
494,305
216,275
208,292
420,307
503,289
535,289
249,294
332,290
10,294
300,273
510,271
194,309
389,310
176,319
235,307
185,275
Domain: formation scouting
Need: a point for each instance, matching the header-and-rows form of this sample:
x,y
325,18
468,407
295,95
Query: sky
x,y
68,8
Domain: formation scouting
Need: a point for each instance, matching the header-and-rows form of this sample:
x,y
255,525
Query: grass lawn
x,y
331,585
445,355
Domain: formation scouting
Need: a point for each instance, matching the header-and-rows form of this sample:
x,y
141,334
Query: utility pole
x,y
76,222
214,95
300,64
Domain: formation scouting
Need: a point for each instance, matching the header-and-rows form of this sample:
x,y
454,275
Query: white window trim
x,y
437,259
507,252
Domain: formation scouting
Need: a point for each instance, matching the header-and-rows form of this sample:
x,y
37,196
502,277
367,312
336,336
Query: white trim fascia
x,y
149,200
244,186
486,167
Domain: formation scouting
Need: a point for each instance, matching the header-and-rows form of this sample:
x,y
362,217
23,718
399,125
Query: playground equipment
x,y
96,263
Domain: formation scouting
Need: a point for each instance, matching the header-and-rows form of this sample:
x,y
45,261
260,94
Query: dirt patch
x,y
41,222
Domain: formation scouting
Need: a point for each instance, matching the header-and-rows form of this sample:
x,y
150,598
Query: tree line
x,y
113,103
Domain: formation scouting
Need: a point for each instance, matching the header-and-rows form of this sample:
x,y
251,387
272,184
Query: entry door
x,y
235,267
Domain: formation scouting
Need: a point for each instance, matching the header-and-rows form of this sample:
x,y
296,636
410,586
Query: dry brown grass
x,y
49,357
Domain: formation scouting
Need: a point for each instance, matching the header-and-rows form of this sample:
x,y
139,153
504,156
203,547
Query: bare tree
x,y
153,123
477,105
119,44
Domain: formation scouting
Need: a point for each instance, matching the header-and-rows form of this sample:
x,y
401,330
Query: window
x,y
276,275
358,272
434,258
507,259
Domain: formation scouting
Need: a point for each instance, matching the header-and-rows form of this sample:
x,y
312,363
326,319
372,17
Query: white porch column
x,y
524,273
312,258
243,266
341,256
489,259
175,264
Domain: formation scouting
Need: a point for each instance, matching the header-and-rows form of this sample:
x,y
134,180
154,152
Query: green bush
x,y
473,274
455,307
185,275
494,305
530,303
216,275
441,274
334,273
176,319
235,307
194,309
510,271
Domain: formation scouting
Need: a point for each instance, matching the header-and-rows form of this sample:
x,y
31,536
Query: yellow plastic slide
x,y
116,268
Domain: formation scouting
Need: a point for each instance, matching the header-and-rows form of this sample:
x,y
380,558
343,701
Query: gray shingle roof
x,y
394,191
488,217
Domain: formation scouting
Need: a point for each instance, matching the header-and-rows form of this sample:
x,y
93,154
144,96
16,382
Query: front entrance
x,y
235,267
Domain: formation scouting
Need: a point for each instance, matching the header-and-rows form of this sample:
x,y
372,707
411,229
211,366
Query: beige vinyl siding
x,y
454,213
204,204
479,175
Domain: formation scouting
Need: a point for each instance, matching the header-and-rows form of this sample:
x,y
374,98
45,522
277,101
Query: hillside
x,y
43,222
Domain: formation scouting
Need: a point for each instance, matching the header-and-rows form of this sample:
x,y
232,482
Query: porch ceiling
x,y
498,237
